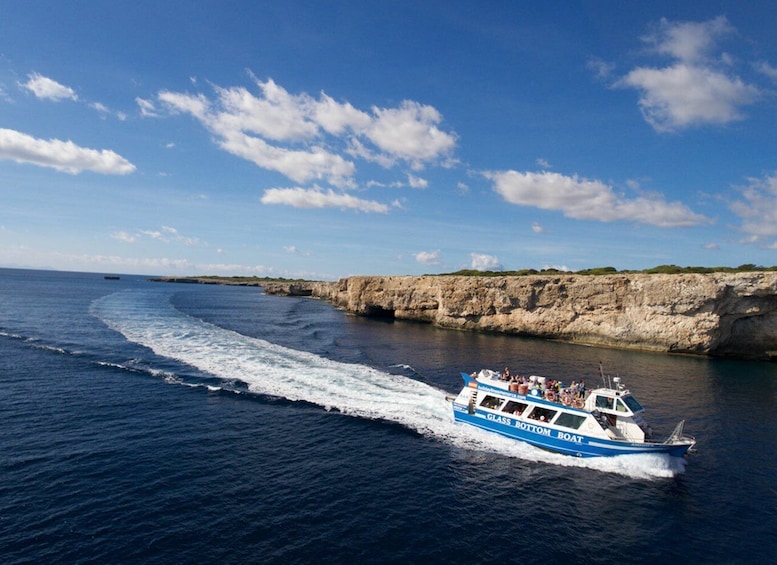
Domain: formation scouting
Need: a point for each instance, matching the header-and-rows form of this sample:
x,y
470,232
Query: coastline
x,y
730,315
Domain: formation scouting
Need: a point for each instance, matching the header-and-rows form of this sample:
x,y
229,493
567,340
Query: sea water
x,y
148,422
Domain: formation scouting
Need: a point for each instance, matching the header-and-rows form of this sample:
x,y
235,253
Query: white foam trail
x,y
11,335
353,389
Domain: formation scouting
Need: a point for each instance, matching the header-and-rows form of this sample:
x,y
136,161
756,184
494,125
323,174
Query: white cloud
x,y
684,95
48,89
318,198
410,132
374,183
428,257
124,236
601,69
294,250
275,115
697,89
315,164
358,150
104,111
146,265
336,118
165,234
63,156
304,138
197,106
122,264
147,108
585,199
484,262
758,209
153,234
417,182
767,69
688,41
172,234
231,269
544,164
536,227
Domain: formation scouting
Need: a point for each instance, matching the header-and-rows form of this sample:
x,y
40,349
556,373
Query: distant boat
x,y
111,277
606,422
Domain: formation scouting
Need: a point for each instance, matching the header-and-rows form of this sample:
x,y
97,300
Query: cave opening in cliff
x,y
380,313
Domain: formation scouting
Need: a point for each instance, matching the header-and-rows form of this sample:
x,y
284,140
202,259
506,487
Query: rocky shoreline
x,y
713,314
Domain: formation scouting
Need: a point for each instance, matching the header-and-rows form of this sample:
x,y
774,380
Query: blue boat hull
x,y
559,441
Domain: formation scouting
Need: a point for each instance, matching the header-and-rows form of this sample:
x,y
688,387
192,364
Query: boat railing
x,y
678,436
535,387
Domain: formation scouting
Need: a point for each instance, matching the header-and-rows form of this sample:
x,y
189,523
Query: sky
x,y
323,139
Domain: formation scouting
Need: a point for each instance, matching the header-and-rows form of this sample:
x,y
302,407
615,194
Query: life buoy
x,y
550,395
579,402
566,399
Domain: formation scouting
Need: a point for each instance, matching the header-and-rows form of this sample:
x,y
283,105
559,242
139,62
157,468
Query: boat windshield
x,y
604,402
632,403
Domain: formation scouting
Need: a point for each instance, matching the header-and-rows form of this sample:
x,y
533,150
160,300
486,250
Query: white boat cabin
x,y
611,413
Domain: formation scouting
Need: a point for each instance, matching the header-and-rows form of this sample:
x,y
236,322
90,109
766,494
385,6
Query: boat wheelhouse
x,y
606,421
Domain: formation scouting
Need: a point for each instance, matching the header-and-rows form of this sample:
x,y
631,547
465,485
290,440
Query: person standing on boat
x,y
506,375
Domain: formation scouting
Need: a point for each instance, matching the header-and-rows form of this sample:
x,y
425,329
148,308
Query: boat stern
x,y
682,442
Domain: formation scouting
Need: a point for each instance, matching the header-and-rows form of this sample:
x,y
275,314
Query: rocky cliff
x,y
721,314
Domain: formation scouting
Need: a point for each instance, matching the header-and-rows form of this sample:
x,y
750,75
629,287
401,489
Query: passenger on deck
x,y
506,374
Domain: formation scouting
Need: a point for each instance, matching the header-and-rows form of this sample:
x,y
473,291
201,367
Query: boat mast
x,y
601,372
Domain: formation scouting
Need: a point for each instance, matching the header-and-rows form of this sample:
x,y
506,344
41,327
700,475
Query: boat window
x,y
632,403
542,414
620,407
604,402
514,407
569,420
491,402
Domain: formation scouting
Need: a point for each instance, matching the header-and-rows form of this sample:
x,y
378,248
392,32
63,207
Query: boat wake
x,y
353,389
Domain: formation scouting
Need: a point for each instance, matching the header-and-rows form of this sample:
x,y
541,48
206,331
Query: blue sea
x,y
146,422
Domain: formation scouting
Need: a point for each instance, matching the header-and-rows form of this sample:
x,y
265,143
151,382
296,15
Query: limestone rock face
x,y
723,314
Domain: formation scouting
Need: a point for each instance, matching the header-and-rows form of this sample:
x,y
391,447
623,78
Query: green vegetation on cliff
x,y
661,269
